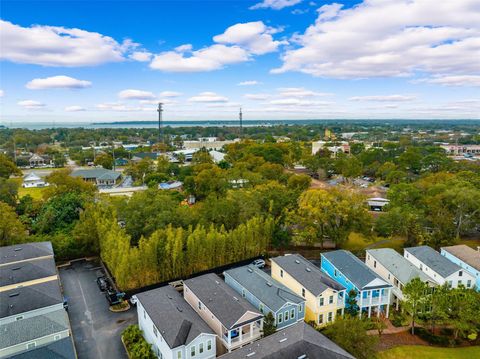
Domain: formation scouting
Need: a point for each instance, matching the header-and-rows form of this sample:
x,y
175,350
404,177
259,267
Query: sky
x,y
91,61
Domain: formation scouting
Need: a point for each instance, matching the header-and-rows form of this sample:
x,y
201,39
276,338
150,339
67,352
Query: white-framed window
x,y
330,316
335,272
200,348
321,303
20,317
281,273
330,299
303,292
144,314
31,345
179,355
192,351
292,314
450,283
460,273
199,305
300,308
261,308
460,282
280,318
286,315
155,330
243,293
469,283
374,264
320,318
209,345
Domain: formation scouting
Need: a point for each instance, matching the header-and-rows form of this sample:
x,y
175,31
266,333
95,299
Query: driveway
x,y
96,330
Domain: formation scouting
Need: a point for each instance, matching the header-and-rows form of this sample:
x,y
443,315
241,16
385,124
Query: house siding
x,y
32,313
467,267
21,347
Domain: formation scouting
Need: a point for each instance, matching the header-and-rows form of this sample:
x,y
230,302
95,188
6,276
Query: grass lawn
x,y
357,242
35,193
425,352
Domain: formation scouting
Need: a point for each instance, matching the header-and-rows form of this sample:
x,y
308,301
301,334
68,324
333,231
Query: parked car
x,y
102,283
259,263
65,303
114,297
133,300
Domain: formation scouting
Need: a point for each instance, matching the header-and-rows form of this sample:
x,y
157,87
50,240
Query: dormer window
x,y
460,273
303,292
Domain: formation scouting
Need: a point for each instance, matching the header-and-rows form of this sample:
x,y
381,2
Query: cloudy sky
x,y
89,61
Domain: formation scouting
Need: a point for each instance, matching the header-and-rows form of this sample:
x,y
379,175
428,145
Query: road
x,y
96,330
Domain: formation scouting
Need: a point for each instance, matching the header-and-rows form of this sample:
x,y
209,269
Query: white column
x,y
241,334
251,330
369,311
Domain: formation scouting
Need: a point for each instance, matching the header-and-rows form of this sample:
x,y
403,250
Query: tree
x,y
12,230
349,166
105,160
299,182
8,191
7,167
350,333
415,295
61,182
269,326
351,306
464,307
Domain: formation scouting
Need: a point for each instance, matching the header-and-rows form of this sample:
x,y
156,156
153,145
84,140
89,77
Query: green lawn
x,y
357,242
35,193
425,352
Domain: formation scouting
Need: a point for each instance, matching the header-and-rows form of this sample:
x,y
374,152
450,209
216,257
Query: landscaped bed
x,y
427,352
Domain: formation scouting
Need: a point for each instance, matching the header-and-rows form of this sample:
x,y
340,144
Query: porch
x,y
241,335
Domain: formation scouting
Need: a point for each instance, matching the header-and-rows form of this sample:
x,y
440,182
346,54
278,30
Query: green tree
x,y
7,167
12,230
105,160
350,333
349,167
351,305
8,191
464,307
416,296
299,182
269,326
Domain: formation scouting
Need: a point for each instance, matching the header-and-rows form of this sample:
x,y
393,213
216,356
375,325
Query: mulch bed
x,y
388,341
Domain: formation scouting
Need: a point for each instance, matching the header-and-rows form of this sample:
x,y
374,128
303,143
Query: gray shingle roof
x,y
396,264
25,299
354,269
266,289
177,322
97,173
307,274
434,260
25,271
59,349
465,254
25,251
291,343
226,304
25,330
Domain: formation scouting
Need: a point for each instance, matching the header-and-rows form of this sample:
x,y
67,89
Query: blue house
x,y
267,295
373,293
467,258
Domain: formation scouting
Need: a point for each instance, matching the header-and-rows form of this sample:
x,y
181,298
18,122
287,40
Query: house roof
x,y
217,156
170,185
142,155
59,349
355,270
266,289
36,157
97,173
221,300
24,251
16,273
32,177
20,300
465,254
307,274
434,260
178,323
297,341
396,264
25,330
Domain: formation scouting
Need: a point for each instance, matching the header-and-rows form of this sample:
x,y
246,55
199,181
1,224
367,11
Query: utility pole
x,y
240,117
160,129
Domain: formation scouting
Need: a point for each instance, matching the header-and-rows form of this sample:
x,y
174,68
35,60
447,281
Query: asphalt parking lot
x,y
96,330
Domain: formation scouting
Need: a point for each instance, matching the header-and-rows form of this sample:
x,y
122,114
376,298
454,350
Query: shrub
x,y
136,345
432,338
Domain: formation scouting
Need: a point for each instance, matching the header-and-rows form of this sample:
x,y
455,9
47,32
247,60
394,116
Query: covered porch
x,y
242,334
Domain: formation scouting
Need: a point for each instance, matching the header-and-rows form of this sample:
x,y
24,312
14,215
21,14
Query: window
x,y
179,355
209,345
450,283
192,351
374,264
330,316
286,315
243,293
281,273
261,308
460,273
335,272
57,337
199,305
320,318
144,314
292,314
155,331
368,255
321,301
31,345
280,318
19,317
200,348
407,255
389,276
303,292
459,282
300,308
421,266
330,299
469,283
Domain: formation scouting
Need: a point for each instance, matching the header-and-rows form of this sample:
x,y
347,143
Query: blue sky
x,y
92,61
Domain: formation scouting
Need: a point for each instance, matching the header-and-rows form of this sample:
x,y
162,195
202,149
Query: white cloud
x,y
454,80
57,82
59,46
208,97
298,92
257,96
384,98
249,83
170,94
2,93
184,48
135,95
74,109
141,56
255,36
275,4
386,38
207,59
298,102
31,104
116,106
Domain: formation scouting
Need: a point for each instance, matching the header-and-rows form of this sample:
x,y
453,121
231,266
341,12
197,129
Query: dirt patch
x,y
388,341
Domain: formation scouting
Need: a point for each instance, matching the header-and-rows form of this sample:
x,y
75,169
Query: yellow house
x,y
325,298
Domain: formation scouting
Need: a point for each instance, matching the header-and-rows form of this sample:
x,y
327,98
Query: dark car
x,y
102,283
114,297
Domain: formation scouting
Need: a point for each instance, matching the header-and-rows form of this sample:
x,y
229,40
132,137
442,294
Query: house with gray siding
x,y
267,295
172,327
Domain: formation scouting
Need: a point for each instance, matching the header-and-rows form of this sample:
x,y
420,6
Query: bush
x,y
136,345
398,319
432,338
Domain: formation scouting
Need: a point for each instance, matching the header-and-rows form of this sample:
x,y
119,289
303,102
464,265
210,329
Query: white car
x,y
133,300
259,263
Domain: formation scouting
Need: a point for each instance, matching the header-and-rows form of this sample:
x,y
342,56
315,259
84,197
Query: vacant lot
x,y
425,352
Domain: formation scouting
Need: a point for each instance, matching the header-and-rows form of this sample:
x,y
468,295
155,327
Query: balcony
x,y
242,335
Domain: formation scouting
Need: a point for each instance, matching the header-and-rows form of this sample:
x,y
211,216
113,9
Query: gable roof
x,y
354,269
25,330
466,254
59,349
31,177
433,260
398,265
17,273
307,274
224,303
20,300
266,289
297,341
24,251
97,173
178,323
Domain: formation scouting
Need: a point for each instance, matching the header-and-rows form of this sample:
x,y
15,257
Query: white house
x,y
395,269
32,180
439,268
173,328
466,257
